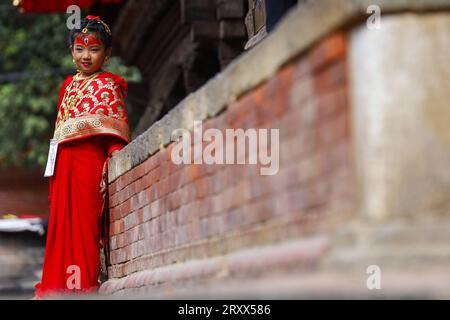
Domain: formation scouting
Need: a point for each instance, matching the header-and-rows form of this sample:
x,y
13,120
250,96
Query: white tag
x,y
51,158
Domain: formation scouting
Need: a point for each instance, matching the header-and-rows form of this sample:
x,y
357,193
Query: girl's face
x,y
88,53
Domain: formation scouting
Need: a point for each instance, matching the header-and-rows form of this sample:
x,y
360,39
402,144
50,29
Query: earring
x,y
76,67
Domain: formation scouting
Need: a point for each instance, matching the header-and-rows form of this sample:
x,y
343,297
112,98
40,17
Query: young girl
x,y
91,126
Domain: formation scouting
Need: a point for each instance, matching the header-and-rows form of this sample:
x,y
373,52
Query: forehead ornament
x,y
87,40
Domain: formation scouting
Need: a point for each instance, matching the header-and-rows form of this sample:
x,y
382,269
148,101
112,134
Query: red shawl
x,y
92,106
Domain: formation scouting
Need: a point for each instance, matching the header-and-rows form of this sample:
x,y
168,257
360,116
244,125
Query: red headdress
x,y
96,19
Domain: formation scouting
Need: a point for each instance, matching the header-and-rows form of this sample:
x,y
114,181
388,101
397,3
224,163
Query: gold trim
x,y
89,125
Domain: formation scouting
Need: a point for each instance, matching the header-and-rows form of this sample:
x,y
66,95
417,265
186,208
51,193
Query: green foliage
x,y
130,74
35,46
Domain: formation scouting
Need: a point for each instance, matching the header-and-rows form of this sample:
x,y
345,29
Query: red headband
x,y
87,40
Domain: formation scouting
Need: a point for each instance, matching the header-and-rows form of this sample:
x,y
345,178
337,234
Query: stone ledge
x,y
399,246
301,253
431,283
327,266
315,20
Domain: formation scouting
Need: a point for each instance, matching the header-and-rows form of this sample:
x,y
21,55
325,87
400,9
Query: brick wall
x,y
362,179
23,192
163,214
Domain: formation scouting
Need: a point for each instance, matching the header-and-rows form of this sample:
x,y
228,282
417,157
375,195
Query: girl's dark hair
x,y
92,26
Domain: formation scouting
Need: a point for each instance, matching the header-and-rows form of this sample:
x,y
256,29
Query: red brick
x,y
201,187
159,207
173,201
157,242
164,169
151,163
120,240
146,182
134,234
139,171
121,182
112,202
151,193
336,46
183,176
338,156
275,96
332,131
130,220
333,76
181,236
112,187
234,218
333,102
218,122
258,212
289,123
113,216
112,229
181,216
125,193
117,199
128,177
143,199
194,171
130,191
134,202
113,243
175,181
171,220
159,190
302,69
236,113
146,213
125,208
301,93
249,104
137,186
164,187
343,188
151,177
139,249
160,156
329,50
217,204
309,169
204,208
157,174
165,153
140,216
195,208
127,253
173,168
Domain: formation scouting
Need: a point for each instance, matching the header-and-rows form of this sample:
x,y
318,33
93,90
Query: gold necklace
x,y
78,76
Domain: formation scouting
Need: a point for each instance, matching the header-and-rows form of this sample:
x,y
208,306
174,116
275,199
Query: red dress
x,y
91,124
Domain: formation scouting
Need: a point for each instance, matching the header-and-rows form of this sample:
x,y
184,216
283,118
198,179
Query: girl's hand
x,y
114,153
102,188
